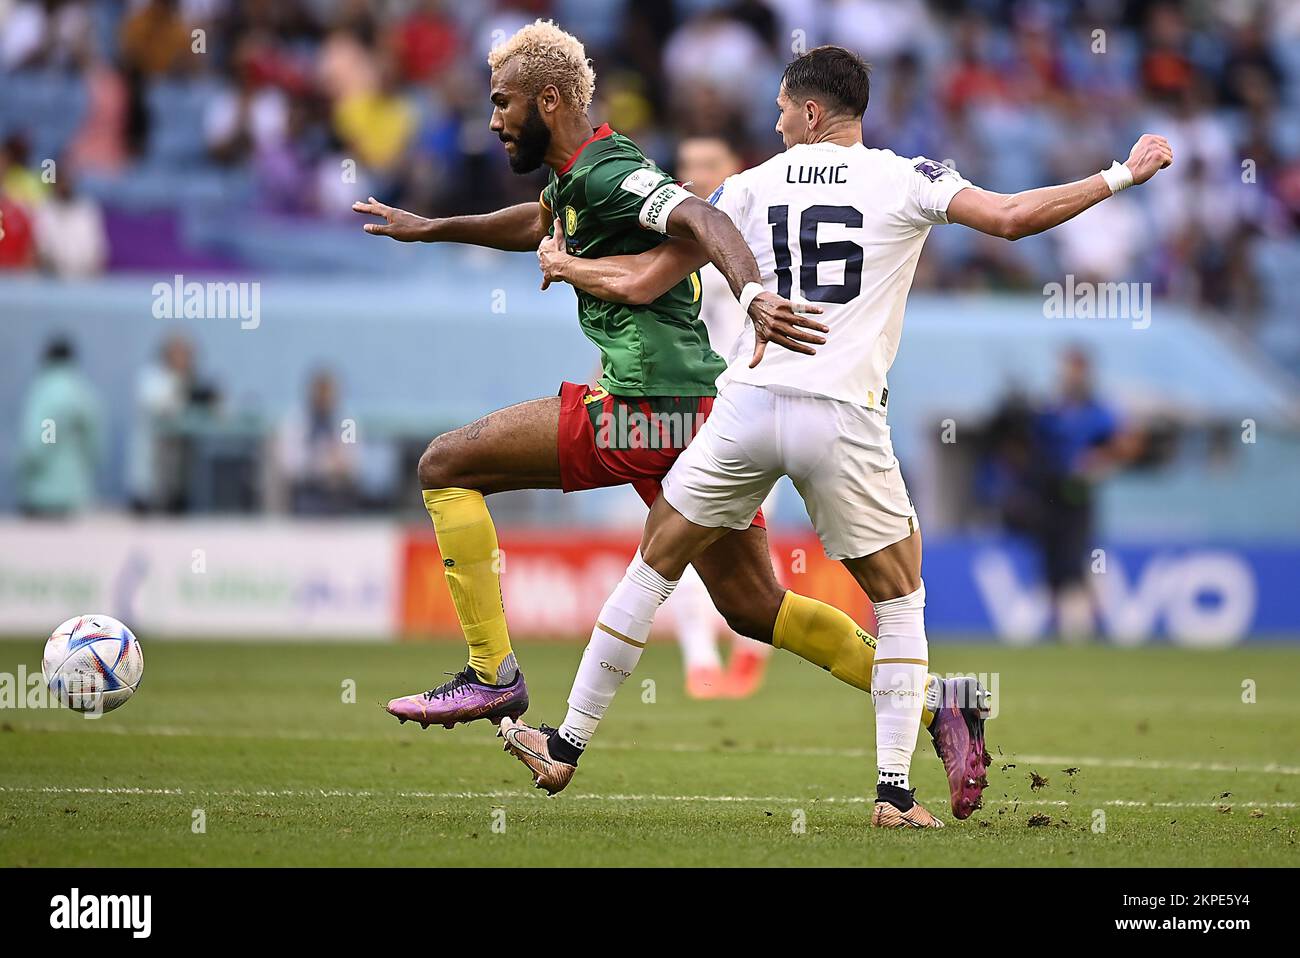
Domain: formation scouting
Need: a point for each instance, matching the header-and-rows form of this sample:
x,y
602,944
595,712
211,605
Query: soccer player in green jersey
x,y
658,369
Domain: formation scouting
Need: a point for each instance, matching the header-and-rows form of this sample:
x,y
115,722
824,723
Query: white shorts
x,y
838,454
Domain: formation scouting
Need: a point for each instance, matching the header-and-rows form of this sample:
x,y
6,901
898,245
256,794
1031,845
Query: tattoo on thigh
x,y
475,429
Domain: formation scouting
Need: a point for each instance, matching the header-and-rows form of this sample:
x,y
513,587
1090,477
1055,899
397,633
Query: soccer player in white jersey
x,y
839,225
703,163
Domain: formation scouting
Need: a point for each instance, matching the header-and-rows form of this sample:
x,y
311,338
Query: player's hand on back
x,y
787,324
1151,153
399,224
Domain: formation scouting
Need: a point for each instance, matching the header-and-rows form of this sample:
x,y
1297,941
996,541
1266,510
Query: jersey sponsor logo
x,y
818,175
933,171
570,221
595,395
641,182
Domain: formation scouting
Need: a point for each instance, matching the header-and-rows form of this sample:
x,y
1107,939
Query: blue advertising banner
x,y
1201,596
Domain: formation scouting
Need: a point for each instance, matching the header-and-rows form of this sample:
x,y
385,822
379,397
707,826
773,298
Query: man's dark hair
x,y
835,77
59,350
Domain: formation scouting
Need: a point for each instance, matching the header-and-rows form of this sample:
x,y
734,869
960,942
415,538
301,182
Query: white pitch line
x,y
690,748
588,797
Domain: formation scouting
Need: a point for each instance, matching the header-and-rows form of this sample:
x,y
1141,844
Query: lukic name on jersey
x,y
827,175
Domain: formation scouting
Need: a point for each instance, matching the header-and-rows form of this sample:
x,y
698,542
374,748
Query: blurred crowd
x,y
308,104
181,453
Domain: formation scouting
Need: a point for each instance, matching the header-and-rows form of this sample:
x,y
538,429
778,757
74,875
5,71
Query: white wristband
x,y
747,295
1117,176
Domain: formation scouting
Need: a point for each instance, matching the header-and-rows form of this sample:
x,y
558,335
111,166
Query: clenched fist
x,y
1150,154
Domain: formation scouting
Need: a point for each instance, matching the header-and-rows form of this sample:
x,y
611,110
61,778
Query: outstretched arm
x,y
515,228
1015,215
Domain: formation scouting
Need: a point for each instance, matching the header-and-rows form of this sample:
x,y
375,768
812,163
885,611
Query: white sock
x,y
898,681
697,623
615,647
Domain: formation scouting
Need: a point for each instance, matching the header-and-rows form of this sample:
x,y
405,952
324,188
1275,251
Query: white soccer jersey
x,y
719,310
842,227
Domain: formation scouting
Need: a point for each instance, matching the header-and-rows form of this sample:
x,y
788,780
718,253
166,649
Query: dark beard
x,y
532,142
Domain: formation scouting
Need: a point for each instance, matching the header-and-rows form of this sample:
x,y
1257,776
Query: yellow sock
x,y
825,636
467,540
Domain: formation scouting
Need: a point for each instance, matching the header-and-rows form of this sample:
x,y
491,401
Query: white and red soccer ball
x,y
92,663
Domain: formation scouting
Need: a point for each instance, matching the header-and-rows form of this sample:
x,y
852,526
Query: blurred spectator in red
x,y
1167,68
101,144
972,79
17,243
21,190
425,42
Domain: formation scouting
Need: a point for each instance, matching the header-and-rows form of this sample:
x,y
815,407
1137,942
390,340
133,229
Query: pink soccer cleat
x,y
463,699
958,732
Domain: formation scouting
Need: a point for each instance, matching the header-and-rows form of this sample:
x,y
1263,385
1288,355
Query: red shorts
x,y
613,441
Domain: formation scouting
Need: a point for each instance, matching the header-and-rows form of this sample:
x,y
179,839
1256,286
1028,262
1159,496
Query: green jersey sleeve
x,y
627,193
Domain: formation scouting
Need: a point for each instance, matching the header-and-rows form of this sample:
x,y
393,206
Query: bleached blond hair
x,y
548,55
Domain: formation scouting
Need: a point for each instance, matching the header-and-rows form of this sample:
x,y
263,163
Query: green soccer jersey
x,y
606,198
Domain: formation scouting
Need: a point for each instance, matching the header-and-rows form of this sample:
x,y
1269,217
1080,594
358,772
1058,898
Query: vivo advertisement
x,y
1199,596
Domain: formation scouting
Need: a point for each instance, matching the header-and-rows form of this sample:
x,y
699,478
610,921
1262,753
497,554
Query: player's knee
x,y
439,466
753,616
751,625
750,607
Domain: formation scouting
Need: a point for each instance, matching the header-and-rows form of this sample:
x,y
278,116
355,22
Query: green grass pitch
x,y
257,743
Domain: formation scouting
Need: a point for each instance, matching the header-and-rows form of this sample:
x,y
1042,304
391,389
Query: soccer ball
x,y
92,663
